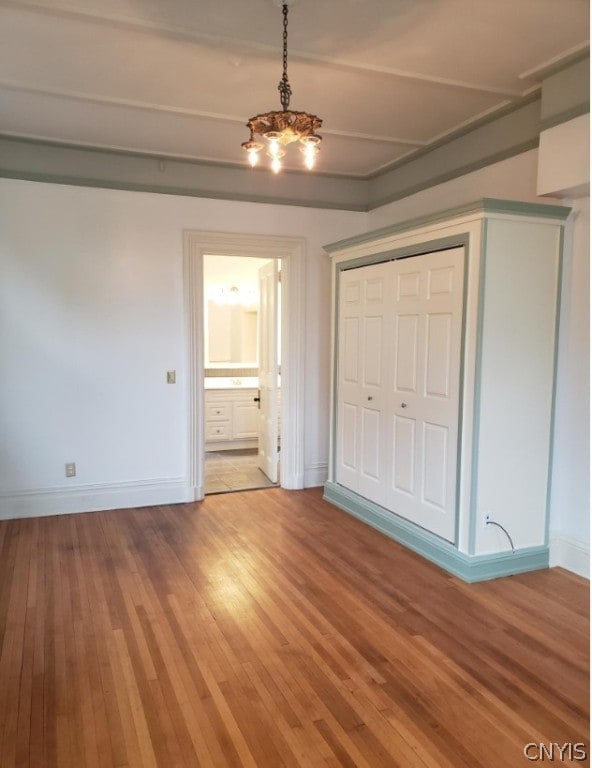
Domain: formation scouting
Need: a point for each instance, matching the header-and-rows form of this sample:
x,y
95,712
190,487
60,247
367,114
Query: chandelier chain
x,y
284,86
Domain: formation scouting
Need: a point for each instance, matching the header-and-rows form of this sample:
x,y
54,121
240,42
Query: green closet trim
x,y
442,553
477,390
487,205
560,268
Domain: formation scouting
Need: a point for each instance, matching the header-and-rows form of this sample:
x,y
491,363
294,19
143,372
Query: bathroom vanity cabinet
x,y
230,418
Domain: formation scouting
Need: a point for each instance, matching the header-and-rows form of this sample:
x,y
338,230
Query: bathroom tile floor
x,y
234,470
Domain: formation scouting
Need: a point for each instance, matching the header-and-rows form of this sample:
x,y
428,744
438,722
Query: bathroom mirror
x,y
231,336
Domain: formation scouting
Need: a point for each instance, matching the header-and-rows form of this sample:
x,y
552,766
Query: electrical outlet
x,y
71,469
171,377
487,516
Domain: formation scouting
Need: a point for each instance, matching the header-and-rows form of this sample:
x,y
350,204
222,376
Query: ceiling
x,y
180,78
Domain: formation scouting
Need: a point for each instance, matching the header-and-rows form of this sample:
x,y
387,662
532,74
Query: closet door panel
x,y
404,450
406,340
425,389
373,333
371,449
434,464
351,332
360,455
349,436
438,355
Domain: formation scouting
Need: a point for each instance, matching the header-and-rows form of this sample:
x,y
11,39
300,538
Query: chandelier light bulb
x,y
274,147
276,164
310,155
310,148
252,149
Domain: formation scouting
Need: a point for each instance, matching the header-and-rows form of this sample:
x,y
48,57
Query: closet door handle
x,y
403,405
369,397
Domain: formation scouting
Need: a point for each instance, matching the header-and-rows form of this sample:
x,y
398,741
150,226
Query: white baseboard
x,y
315,475
572,555
92,498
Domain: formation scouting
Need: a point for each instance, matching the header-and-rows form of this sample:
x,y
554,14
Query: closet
x,y
398,383
444,344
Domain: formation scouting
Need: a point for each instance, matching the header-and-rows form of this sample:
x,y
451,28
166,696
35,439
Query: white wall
x,y
570,491
564,159
91,318
516,179
513,179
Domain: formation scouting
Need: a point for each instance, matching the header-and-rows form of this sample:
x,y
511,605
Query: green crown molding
x,y
506,133
485,205
566,93
56,163
565,117
454,173
492,117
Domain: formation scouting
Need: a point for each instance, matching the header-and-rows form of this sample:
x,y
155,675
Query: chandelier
x,y
246,296
285,126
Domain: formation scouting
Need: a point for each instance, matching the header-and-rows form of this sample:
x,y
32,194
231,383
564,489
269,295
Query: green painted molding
x,y
503,134
474,447
565,117
493,117
431,244
54,163
74,181
486,205
455,173
466,567
566,92
558,319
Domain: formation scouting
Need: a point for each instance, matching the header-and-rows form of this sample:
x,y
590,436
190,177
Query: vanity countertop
x,y
231,382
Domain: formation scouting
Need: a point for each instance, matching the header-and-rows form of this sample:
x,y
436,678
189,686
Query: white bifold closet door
x,y
398,385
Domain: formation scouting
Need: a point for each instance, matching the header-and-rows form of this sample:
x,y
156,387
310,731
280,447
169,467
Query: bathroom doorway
x,y
291,253
242,372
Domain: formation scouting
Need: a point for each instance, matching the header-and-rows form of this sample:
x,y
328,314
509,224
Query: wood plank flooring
x,y
268,628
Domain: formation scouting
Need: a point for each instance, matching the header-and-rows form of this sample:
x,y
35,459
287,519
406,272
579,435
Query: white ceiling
x,y
179,78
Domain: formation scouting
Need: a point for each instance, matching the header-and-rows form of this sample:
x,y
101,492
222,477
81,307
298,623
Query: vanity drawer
x,y
217,430
218,411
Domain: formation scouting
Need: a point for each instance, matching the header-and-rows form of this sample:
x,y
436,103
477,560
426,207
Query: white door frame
x,y
291,250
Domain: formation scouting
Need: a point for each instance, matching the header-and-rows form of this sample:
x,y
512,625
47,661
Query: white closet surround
x,y
444,347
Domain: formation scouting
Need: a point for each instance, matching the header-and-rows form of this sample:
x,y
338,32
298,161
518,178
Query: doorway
x,y
291,252
242,373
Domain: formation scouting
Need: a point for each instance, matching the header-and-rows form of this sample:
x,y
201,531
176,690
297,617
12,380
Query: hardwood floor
x,y
268,628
